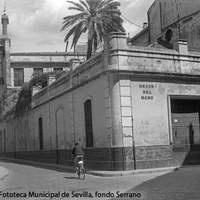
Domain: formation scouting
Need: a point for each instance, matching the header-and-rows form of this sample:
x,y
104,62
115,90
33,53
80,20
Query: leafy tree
x,y
23,104
42,79
96,17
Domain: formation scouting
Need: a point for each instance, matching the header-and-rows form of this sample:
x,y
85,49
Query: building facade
x,y
168,22
24,65
130,107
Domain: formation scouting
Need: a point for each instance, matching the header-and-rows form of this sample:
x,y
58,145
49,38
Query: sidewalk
x,y
133,172
3,173
92,172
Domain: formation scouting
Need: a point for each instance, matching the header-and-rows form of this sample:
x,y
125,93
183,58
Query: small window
x,y
37,70
1,142
4,133
18,76
168,35
40,133
58,69
88,123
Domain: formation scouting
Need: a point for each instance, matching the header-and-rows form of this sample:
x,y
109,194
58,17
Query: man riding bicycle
x,y
77,153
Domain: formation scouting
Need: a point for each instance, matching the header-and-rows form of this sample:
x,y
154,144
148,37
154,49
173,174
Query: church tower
x,y
5,22
5,43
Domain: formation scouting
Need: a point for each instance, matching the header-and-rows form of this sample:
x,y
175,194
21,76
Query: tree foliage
x,y
24,101
42,79
96,17
8,103
19,102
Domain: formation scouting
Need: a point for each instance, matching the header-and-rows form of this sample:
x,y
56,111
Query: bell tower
x,y
5,43
5,22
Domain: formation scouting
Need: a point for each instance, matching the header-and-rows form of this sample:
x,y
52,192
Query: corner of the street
x,y
133,172
3,173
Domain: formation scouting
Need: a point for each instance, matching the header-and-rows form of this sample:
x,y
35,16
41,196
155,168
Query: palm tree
x,y
97,18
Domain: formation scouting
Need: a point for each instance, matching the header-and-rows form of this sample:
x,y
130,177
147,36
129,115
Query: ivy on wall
x,y
23,104
7,104
19,102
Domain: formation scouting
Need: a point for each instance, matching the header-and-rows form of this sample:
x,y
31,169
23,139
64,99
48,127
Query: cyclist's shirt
x,y
77,150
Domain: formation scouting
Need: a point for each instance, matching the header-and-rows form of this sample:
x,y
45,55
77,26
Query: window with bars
x,y
18,76
37,70
88,123
1,142
40,133
58,69
4,134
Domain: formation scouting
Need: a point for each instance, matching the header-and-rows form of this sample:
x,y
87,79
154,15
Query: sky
x,y
34,25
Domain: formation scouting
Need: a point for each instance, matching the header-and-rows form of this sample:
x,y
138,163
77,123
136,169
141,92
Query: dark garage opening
x,y
185,123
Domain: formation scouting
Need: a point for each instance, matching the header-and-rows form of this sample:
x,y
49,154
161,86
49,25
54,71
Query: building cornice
x,y
122,59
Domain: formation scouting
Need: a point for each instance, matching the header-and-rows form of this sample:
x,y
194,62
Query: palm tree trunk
x,y
89,49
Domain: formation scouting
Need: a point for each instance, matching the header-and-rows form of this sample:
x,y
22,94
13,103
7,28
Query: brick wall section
x,y
150,164
153,152
41,156
186,156
154,157
103,158
99,158
128,158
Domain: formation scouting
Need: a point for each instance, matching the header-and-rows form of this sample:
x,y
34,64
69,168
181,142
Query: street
x,y
179,185
27,182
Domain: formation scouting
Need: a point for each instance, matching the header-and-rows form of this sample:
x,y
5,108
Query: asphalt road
x,y
29,181
183,184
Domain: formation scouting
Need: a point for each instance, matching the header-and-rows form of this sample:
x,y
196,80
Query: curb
x,y
133,172
3,173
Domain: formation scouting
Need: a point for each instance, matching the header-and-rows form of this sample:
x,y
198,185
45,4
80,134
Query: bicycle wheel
x,y
82,173
78,169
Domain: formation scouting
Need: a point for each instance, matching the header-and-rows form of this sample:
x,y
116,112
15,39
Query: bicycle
x,y
80,170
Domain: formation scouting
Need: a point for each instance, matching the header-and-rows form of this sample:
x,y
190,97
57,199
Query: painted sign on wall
x,y
147,91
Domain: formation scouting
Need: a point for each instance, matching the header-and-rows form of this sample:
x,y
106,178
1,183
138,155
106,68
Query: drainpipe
x,y
134,149
57,152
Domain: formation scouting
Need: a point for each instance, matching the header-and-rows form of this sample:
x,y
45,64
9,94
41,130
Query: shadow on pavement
x,y
72,177
182,184
55,167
